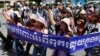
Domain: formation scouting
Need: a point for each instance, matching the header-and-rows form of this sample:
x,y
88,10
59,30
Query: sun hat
x,y
68,22
42,20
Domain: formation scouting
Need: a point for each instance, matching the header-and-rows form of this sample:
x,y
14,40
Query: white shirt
x,y
10,12
18,14
90,27
98,26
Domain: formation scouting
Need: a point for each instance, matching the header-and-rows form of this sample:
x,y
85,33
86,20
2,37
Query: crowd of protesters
x,y
51,18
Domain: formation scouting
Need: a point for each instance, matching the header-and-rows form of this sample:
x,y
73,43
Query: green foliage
x,y
36,4
1,5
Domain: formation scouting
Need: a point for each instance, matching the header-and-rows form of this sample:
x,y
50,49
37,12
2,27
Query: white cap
x,y
11,4
68,2
52,2
6,4
83,12
33,16
27,2
42,20
79,5
68,22
48,2
18,3
58,3
41,3
33,2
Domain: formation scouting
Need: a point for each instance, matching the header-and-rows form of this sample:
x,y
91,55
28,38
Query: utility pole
x,y
4,3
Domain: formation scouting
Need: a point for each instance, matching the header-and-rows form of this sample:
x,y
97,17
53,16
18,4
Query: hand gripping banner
x,y
70,45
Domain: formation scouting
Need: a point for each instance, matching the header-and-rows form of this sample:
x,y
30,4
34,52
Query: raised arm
x,y
51,18
8,18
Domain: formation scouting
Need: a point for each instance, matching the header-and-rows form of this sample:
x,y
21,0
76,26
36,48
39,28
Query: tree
x,y
58,1
37,1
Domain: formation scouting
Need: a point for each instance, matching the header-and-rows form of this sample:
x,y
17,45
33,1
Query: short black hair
x,y
65,11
